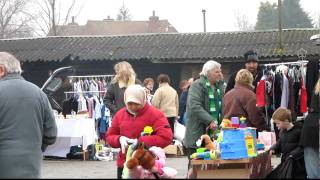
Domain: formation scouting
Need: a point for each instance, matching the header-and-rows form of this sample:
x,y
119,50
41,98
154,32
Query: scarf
x,y
215,101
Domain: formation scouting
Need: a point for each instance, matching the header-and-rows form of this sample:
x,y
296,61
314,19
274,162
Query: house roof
x,y
111,27
168,47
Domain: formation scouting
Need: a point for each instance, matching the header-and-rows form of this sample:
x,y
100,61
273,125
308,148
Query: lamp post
x,y
204,20
280,24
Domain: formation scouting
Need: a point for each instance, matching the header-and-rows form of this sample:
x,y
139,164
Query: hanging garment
x,y
277,90
303,98
312,75
97,108
285,92
260,93
90,107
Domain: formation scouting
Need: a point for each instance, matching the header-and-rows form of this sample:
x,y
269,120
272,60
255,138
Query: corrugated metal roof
x,y
163,47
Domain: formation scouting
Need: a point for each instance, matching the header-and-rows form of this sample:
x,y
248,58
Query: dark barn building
x,y
180,55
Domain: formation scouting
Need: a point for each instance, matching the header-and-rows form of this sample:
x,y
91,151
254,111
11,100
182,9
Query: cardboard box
x,y
174,150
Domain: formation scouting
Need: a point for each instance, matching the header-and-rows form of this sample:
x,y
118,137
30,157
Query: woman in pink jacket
x,y
129,122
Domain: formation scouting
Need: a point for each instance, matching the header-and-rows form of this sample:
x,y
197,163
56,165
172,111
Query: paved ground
x,y
103,169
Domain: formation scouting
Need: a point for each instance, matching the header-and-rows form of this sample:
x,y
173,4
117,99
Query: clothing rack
x,y
90,76
107,77
74,92
71,92
286,63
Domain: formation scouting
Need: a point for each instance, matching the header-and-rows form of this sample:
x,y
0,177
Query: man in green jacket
x,y
204,104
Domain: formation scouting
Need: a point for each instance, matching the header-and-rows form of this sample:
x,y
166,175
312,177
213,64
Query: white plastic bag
x,y
179,131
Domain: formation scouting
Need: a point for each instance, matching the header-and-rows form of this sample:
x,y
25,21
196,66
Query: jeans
x,y
311,159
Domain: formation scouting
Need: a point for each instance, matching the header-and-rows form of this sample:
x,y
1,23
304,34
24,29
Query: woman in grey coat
x,y
27,124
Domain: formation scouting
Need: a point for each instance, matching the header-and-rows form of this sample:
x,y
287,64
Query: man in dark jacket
x,y
251,59
27,124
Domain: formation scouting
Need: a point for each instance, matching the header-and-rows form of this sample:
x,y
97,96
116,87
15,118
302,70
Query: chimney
x,y
73,21
108,19
154,25
153,17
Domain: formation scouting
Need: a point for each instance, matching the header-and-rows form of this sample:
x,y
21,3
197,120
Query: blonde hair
x,y
244,77
317,87
282,114
124,72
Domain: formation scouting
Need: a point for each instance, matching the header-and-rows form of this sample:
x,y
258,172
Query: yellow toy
x,y
250,145
147,130
226,123
208,155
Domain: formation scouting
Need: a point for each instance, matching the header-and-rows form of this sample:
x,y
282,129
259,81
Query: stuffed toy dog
x,y
149,164
206,142
142,164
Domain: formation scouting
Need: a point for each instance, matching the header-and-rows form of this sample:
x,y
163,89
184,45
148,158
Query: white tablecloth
x,y
72,132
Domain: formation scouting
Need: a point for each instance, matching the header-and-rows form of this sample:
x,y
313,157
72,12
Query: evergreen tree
x,y
267,16
293,16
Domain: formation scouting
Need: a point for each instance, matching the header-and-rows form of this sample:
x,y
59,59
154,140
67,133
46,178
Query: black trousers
x,y
190,151
119,172
171,122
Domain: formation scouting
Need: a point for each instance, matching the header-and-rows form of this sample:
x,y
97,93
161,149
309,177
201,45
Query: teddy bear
x,y
148,164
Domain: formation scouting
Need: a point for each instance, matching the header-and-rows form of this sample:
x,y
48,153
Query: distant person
x,y
27,123
125,76
204,105
166,99
148,84
184,87
241,101
129,122
310,135
251,64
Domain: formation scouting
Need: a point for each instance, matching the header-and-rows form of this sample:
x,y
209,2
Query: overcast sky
x,y
184,15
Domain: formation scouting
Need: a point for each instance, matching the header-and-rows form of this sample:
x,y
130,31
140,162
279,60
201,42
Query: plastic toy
x,y
208,155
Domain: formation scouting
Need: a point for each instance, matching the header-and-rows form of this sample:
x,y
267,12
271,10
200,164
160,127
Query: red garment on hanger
x,y
260,93
303,98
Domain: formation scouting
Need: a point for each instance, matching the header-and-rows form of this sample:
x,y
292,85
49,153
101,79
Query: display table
x,y
71,132
256,167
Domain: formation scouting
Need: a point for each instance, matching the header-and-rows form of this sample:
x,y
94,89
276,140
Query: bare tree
x,y
51,17
124,14
14,21
242,22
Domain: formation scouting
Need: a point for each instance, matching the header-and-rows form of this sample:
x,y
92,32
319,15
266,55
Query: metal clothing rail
x,y
74,92
70,92
88,76
286,63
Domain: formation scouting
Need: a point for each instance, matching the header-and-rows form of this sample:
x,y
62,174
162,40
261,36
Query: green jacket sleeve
x,y
196,104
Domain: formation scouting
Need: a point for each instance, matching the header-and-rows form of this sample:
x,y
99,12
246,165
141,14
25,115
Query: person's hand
x,y
124,142
271,152
213,125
